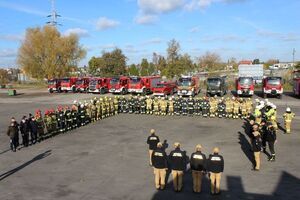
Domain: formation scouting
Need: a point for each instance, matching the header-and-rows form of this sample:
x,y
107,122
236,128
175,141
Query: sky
x,y
244,29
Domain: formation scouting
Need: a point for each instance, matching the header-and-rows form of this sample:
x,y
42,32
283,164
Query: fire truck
x,y
244,86
82,84
188,86
54,85
165,88
119,85
272,86
296,83
99,85
68,84
143,85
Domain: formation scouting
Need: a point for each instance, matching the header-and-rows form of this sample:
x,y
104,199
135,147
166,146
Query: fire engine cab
x,y
143,85
82,84
188,86
119,85
245,86
68,84
99,85
296,83
165,88
54,85
272,86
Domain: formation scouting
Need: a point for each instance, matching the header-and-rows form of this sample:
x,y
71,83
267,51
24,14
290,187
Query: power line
x,y
53,16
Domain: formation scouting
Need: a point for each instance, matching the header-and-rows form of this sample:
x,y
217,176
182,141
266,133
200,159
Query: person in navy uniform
x,y
215,166
160,166
197,162
152,141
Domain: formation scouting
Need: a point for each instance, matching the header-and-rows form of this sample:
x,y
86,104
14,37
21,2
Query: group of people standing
x,y
177,162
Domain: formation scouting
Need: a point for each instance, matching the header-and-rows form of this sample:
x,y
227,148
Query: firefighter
x,y
48,121
61,119
124,105
197,162
54,122
131,104
270,137
190,103
74,115
257,114
163,106
171,106
156,106
205,107
288,117
116,105
243,107
221,108
82,115
176,106
98,110
236,108
103,108
40,125
184,107
111,107
137,104
197,106
249,107
256,146
213,106
87,113
93,111
229,107
143,105
160,165
68,117
152,141
215,166
149,105
178,163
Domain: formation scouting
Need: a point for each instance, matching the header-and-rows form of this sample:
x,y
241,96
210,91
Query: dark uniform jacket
x,y
198,161
215,163
178,160
256,143
159,159
33,126
12,131
270,135
152,141
24,127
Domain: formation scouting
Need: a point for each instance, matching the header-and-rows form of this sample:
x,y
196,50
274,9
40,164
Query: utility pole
x,y
53,16
294,51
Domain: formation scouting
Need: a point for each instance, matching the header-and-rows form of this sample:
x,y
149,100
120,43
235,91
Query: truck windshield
x,y
93,82
160,85
79,82
65,80
135,80
52,82
274,81
245,81
213,81
185,82
114,81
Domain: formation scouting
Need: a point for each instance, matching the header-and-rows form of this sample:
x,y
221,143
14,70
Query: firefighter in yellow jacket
x,y
288,117
236,108
149,105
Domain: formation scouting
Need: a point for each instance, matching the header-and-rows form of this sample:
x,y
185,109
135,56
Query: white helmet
x,y
257,100
262,103
268,103
274,106
288,109
74,102
81,106
266,100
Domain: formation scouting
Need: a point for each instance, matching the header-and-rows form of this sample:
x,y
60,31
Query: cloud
x,y
22,8
8,53
146,19
104,23
194,29
203,4
12,37
108,46
223,38
78,31
152,41
159,6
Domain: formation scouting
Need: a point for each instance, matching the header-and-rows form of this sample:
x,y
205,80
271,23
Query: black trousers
x,y
271,147
33,137
13,144
25,139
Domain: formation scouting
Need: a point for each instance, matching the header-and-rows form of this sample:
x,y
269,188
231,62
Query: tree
x,y
109,64
3,77
162,63
297,66
133,70
44,53
144,67
209,61
173,51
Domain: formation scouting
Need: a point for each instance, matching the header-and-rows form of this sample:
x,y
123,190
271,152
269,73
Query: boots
x,y
272,158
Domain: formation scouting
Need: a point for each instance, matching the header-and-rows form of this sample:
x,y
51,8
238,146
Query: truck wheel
x,y
86,90
144,92
51,90
102,91
74,89
279,96
59,90
123,92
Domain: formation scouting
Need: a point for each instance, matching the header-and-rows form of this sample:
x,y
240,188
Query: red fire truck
x,y
54,85
296,83
272,86
119,85
165,88
99,85
143,85
244,86
188,86
82,84
68,84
